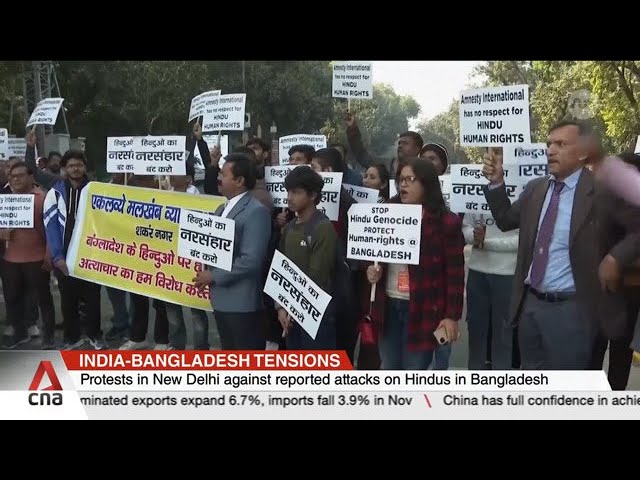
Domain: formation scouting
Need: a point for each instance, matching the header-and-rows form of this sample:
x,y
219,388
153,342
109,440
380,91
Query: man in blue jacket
x,y
60,209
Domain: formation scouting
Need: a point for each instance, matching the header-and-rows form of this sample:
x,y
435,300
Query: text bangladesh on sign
x,y
127,238
387,233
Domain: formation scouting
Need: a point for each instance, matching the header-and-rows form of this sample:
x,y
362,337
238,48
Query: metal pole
x,y
243,84
64,115
37,86
13,99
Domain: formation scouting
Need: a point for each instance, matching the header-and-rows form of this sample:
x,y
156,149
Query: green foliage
x,y
380,119
152,97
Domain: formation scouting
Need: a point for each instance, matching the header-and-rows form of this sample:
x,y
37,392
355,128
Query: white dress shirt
x,y
232,203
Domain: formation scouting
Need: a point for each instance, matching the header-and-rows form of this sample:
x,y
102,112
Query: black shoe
x,y
117,334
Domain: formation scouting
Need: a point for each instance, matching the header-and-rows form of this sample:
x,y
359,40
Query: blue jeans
x,y
395,334
118,299
488,298
178,329
441,357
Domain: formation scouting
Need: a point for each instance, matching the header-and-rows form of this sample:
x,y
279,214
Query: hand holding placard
x,y
492,169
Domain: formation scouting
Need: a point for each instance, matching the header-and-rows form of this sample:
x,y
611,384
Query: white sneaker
x,y
131,345
271,345
33,331
162,346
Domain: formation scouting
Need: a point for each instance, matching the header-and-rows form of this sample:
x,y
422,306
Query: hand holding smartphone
x,y
441,336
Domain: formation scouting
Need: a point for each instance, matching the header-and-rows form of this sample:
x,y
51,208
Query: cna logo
x,y
45,398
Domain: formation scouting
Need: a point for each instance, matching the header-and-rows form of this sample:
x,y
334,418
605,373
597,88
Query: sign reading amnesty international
x,y
127,238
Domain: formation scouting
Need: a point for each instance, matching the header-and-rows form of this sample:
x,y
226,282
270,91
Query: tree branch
x,y
622,81
520,72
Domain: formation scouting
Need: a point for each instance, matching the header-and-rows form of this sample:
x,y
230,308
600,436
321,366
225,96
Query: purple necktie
x,y
541,250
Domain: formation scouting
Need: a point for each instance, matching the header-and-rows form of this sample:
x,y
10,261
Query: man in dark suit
x,y
236,295
575,239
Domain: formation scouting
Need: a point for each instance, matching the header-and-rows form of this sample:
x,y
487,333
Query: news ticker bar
x,y
313,405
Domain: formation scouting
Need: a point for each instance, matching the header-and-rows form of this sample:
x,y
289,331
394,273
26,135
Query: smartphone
x,y
441,336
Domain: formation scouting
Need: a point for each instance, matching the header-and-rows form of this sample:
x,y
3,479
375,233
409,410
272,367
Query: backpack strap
x,y
309,227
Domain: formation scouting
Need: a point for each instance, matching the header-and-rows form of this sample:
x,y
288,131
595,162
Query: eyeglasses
x,y
18,175
409,179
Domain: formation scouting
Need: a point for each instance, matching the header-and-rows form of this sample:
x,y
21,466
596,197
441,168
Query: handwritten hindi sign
x,y
147,155
352,80
224,112
17,147
198,102
286,142
297,293
362,194
274,181
467,188
207,238
16,211
330,202
495,116
4,144
530,161
127,238
388,233
46,112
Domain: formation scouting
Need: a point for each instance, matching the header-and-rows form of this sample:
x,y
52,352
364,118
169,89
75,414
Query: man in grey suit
x,y
236,296
575,239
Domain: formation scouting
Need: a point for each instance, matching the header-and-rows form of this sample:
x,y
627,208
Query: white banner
x,y
224,112
495,116
4,144
274,181
362,194
297,293
445,188
352,80
388,233
16,211
46,112
148,155
212,141
17,147
286,142
467,193
198,102
207,238
330,202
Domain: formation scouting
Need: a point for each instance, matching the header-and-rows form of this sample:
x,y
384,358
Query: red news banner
x,y
296,384
206,360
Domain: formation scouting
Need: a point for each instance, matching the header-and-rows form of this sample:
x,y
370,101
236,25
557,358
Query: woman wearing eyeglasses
x,y
413,301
